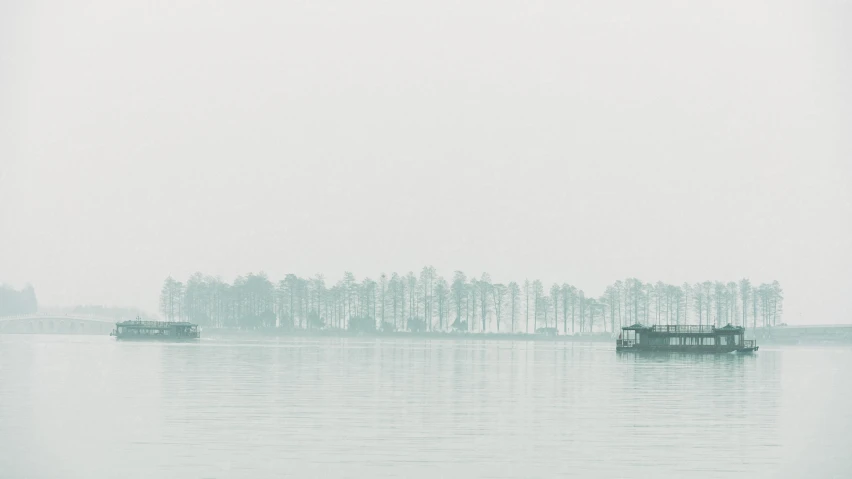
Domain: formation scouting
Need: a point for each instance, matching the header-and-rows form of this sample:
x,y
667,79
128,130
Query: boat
x,y
686,338
139,330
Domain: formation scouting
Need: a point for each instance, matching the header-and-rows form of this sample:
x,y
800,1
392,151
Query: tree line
x,y
430,302
14,302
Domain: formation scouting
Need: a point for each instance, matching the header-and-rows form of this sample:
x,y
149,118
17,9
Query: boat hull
x,y
156,340
683,349
748,350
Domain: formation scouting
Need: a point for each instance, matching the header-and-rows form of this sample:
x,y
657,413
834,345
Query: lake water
x,y
88,407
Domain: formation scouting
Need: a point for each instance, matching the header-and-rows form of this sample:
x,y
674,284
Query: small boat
x,y
686,338
139,330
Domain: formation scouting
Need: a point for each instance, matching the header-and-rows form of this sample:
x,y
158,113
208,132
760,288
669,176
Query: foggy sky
x,y
565,141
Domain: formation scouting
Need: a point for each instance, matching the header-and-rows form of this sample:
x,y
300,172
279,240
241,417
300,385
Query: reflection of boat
x,y
687,338
139,330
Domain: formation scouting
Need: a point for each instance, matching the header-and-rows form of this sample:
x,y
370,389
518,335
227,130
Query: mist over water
x,y
552,140
88,407
628,162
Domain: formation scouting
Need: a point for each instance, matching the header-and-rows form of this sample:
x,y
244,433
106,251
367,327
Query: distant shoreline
x,y
814,335
322,333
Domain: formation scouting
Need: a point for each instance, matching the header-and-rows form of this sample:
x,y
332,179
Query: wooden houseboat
x,y
687,338
140,330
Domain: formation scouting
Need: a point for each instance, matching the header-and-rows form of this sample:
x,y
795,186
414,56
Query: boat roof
x,y
635,327
728,327
682,328
155,324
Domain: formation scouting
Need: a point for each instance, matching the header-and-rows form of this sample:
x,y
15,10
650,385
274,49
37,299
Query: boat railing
x,y
682,328
154,324
749,343
626,343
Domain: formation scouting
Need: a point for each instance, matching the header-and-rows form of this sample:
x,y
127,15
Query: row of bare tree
x,y
428,302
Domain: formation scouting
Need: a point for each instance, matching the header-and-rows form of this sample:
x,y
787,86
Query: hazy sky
x,y
567,141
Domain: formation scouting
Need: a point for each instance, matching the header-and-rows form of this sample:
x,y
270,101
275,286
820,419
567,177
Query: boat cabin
x,y
684,338
156,330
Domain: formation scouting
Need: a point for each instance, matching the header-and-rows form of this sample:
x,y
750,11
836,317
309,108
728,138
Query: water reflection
x,y
372,408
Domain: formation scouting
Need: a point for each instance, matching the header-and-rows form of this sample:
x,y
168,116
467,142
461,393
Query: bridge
x,y
56,324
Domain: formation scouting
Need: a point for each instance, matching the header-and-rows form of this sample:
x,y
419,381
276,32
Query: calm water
x,y
88,407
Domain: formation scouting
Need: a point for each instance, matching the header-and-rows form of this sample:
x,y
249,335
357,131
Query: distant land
x,y
427,302
15,302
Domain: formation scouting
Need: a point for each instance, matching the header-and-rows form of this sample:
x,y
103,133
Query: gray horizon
x,y
579,142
